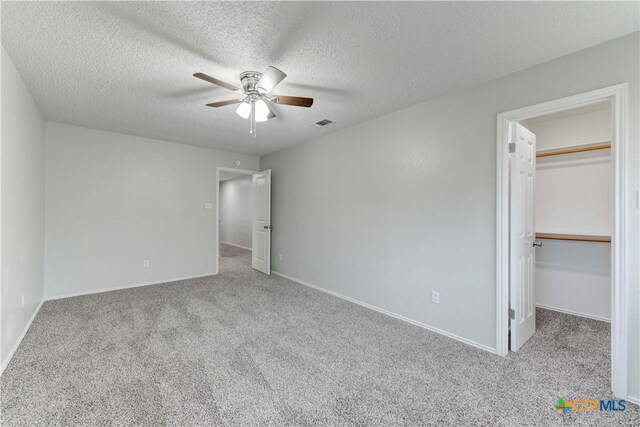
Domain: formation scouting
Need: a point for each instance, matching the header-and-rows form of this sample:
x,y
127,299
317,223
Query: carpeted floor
x,y
243,348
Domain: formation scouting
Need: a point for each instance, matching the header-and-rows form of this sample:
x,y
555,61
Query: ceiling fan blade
x,y
224,103
270,79
216,82
297,101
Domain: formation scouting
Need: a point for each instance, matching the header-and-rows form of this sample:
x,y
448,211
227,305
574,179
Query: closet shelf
x,y
574,237
575,149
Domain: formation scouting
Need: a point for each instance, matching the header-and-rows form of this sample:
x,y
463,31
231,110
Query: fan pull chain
x,y
252,120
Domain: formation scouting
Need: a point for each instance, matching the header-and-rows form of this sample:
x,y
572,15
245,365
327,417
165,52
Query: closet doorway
x,y
573,211
560,237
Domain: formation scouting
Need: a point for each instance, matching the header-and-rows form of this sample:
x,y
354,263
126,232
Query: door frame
x,y
216,262
618,96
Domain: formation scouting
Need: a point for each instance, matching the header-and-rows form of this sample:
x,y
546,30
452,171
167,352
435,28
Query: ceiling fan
x,y
254,97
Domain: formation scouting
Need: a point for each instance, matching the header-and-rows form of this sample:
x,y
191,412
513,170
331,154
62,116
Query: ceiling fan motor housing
x,y
249,80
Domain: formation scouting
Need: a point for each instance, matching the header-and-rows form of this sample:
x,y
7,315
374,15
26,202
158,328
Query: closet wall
x,y
573,196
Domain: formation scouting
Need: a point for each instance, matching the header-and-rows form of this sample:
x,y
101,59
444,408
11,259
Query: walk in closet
x,y
573,206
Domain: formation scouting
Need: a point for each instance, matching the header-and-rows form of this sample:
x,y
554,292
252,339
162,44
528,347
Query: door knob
x,y
268,227
537,244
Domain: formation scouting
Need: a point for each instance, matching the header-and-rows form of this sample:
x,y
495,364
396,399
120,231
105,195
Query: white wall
x,y
391,209
115,200
23,175
584,128
574,196
236,211
574,277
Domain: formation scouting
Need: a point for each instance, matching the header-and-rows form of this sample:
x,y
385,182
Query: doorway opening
x,y
243,219
560,225
235,207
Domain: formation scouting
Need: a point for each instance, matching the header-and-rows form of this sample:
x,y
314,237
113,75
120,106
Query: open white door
x,y
261,236
522,252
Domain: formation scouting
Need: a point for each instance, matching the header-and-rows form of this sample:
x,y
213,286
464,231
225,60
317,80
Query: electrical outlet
x,y
146,263
280,257
22,301
435,297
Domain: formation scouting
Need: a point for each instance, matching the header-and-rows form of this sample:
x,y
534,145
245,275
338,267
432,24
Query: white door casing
x,y
261,235
522,235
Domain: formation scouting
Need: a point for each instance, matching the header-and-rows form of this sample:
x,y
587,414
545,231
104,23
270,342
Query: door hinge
x,y
512,314
512,147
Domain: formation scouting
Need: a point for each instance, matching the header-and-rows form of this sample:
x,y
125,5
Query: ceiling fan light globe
x,y
244,110
262,111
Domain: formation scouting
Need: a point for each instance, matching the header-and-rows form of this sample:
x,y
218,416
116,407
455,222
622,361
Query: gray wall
x,y
23,187
236,211
389,210
115,200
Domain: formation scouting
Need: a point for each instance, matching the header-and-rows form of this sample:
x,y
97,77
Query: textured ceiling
x,y
127,66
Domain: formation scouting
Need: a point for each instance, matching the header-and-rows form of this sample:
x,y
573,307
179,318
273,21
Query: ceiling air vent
x,y
323,123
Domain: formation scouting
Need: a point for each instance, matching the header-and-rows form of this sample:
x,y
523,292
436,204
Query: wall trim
x,y
5,363
119,288
237,246
389,313
574,313
633,400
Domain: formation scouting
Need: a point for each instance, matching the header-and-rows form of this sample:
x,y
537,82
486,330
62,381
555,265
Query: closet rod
x,y
573,237
571,150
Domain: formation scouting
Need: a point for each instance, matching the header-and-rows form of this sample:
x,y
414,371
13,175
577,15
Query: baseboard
x,y
237,246
389,313
573,313
119,288
5,363
634,400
